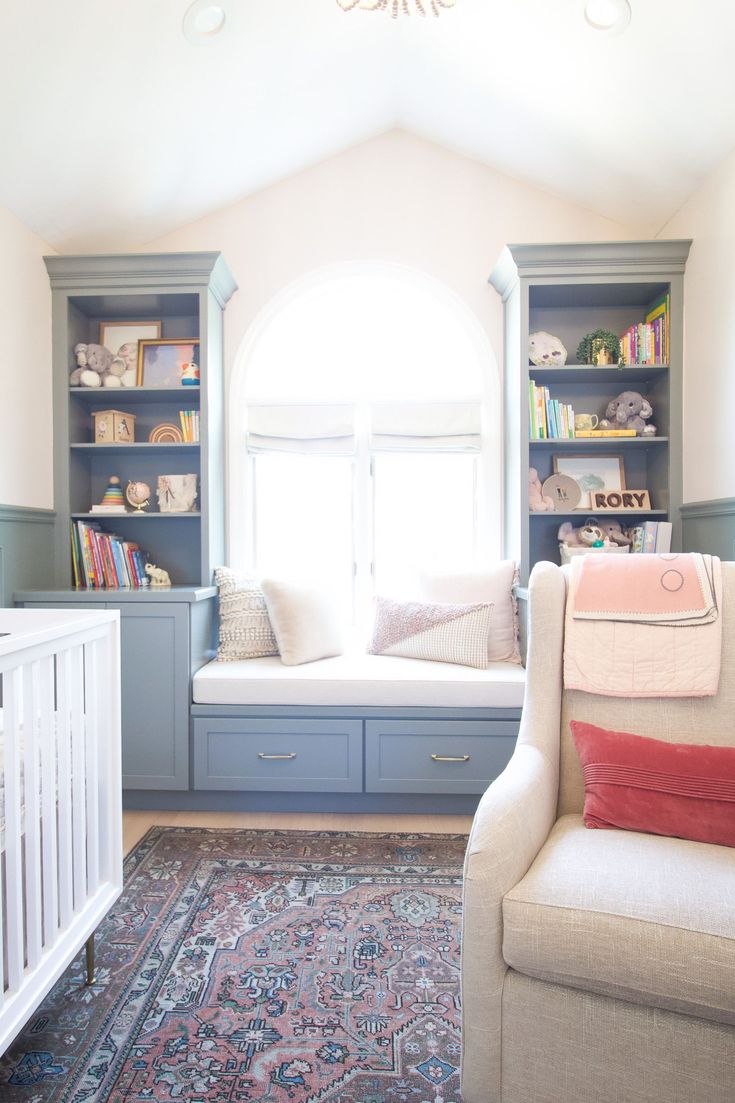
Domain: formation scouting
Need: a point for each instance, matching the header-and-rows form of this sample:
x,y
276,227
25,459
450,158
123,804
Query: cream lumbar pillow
x,y
245,630
494,585
305,621
442,633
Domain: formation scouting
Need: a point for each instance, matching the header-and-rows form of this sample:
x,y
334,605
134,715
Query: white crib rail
x,y
61,862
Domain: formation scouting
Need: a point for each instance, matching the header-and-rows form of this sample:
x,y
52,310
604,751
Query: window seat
x,y
360,680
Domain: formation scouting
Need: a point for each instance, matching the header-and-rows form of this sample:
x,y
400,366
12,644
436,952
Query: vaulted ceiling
x,y
115,129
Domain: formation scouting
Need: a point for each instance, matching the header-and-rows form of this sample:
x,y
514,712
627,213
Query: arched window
x,y
364,435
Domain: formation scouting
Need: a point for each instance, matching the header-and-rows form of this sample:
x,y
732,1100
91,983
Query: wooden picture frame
x,y
115,334
162,363
592,471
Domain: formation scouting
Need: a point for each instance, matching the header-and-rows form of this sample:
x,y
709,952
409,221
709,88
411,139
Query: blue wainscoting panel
x,y
709,527
26,550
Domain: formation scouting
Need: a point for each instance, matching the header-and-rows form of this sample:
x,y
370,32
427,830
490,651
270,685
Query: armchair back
x,y
676,719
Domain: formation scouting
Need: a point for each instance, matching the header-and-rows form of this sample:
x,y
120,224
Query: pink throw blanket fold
x,y
644,626
663,589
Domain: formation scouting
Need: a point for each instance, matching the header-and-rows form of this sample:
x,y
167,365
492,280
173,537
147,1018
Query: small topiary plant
x,y
600,347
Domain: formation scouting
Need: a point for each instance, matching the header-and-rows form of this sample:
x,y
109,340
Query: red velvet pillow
x,y
643,784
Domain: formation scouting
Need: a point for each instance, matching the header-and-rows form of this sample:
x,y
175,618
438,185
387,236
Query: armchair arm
x,y
511,825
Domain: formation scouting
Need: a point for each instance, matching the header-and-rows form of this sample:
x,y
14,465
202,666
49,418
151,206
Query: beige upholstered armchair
x,y
596,965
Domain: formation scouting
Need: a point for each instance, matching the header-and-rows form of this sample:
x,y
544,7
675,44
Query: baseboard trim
x,y
204,801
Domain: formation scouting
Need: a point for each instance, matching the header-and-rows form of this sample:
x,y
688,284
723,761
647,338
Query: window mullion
x,y
363,519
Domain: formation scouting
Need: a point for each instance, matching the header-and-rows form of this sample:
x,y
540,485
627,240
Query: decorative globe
x,y
138,495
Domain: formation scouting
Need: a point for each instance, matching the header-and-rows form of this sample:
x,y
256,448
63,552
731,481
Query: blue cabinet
x,y
436,756
164,637
154,649
304,756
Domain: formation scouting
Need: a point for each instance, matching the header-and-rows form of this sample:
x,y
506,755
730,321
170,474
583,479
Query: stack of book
x,y
103,561
189,426
652,537
549,419
648,342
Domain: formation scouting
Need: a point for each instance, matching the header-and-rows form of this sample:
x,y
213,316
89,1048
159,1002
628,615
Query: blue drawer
x,y
436,756
299,756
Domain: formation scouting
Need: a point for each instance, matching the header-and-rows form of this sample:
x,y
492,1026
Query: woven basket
x,y
568,554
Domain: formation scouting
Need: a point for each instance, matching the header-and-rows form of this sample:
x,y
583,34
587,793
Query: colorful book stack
x,y
653,537
189,426
103,561
549,419
648,342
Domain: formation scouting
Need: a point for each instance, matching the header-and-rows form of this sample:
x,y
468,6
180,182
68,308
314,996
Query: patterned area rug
x,y
243,966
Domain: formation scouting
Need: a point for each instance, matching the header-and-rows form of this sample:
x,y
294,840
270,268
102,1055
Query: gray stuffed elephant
x,y
629,411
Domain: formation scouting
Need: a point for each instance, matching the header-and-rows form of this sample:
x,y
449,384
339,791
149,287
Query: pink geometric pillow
x,y
441,633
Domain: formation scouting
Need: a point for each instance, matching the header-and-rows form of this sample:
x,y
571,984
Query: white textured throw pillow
x,y
305,621
244,627
443,633
494,585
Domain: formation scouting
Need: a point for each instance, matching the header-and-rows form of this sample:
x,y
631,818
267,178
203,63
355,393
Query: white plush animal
x,y
545,350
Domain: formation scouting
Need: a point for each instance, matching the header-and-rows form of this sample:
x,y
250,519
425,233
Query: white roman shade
x,y
301,428
426,427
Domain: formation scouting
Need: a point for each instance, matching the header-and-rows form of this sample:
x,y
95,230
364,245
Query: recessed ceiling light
x,y
608,15
203,22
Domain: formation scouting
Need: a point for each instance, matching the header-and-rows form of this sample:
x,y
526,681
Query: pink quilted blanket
x,y
644,626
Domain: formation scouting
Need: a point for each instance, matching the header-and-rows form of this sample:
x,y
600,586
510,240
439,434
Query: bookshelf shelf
x,y
122,396
643,513
575,373
113,518
145,448
607,443
571,290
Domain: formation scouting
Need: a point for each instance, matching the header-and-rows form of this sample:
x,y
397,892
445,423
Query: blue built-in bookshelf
x,y
186,293
570,290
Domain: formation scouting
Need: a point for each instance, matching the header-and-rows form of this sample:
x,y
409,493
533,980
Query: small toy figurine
x,y
190,374
160,579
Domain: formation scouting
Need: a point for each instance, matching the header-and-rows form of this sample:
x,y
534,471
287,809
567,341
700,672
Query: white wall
x,y
25,367
709,335
396,198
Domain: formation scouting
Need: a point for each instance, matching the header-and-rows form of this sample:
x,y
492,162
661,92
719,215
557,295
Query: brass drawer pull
x,y
450,758
276,757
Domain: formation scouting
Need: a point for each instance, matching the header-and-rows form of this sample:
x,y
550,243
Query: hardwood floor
x,y
135,824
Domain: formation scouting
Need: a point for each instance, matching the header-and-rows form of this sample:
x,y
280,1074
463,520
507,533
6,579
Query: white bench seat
x,y
359,680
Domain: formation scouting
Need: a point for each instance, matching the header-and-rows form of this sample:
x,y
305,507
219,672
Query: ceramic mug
x,y
585,422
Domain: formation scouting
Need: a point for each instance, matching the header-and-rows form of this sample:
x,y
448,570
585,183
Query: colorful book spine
x,y
104,561
650,529
532,411
648,341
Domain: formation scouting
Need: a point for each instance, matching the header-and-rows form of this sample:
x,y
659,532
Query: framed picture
x,y
167,363
113,335
591,473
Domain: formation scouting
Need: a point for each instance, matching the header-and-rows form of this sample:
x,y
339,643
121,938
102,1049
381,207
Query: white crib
x,y
60,796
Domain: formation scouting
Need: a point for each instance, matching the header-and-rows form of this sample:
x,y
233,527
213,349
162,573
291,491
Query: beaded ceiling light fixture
x,y
398,7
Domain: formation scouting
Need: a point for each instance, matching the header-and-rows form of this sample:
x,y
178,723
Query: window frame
x,y
240,483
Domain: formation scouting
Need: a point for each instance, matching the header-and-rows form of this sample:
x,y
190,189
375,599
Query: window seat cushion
x,y
360,680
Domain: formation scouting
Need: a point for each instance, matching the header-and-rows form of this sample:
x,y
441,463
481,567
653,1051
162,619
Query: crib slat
x,y
31,685
79,809
48,801
13,696
94,733
64,799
